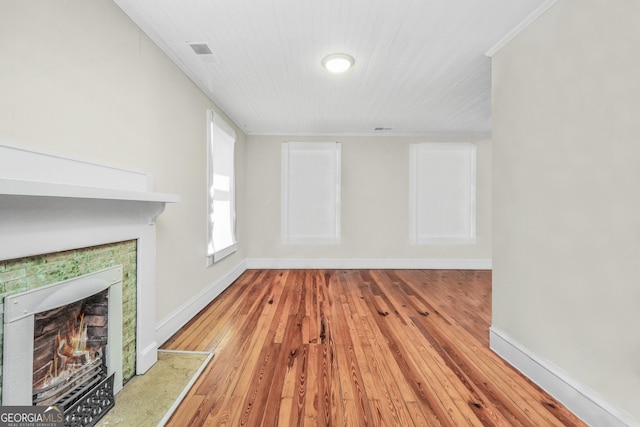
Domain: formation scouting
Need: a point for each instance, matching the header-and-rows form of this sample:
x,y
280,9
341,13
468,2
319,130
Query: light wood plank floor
x,y
356,348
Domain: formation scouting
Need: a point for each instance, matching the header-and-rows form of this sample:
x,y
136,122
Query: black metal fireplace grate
x,y
92,406
84,398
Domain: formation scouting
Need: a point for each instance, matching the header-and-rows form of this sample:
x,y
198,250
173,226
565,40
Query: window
x,y
443,193
221,215
311,193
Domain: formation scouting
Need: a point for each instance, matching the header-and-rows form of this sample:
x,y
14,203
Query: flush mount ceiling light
x,y
338,62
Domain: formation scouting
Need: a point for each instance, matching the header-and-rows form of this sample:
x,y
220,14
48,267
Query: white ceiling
x,y
420,65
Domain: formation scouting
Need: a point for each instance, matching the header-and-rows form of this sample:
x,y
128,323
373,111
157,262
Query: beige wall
x,y
375,202
78,78
566,211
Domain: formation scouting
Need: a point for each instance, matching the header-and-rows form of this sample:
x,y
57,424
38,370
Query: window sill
x,y
222,253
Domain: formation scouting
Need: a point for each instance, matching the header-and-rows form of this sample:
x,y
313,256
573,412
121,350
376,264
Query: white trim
x,y
27,172
24,163
220,254
357,263
19,187
179,317
579,399
520,27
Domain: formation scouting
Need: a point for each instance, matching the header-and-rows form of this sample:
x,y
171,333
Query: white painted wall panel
x,y
443,193
311,193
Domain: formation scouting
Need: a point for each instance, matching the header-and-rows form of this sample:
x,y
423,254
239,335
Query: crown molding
x,y
520,27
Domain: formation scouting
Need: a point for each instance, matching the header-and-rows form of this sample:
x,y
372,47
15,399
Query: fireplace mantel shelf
x,y
18,187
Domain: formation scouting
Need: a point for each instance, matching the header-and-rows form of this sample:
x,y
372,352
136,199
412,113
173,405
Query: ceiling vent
x,y
204,53
201,48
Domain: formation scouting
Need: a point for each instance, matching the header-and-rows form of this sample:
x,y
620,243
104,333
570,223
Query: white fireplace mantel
x,y
50,203
19,187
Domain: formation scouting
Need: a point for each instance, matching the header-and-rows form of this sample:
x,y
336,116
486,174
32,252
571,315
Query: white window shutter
x,y
443,193
311,192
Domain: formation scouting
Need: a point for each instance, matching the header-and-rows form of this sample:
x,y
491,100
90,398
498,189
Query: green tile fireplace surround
x,y
22,274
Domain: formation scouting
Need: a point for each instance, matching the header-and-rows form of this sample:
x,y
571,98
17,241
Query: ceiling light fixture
x,y
338,62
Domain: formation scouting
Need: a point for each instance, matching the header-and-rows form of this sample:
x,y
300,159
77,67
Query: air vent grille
x,y
201,48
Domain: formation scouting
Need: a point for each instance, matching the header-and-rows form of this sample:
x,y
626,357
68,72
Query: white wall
x,y
566,212
79,79
375,204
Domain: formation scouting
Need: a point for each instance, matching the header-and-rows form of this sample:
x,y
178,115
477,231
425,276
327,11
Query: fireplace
x,y
68,350
66,341
73,365
51,205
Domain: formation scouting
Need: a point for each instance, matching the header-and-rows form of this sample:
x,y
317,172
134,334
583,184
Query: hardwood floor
x,y
356,348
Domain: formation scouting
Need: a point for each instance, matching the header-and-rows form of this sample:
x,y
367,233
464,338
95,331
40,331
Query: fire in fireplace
x,y
68,350
67,341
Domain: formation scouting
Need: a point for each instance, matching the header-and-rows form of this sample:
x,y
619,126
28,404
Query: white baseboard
x,y
183,314
146,358
357,263
579,399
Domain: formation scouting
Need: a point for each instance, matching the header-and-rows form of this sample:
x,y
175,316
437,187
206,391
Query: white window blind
x,y
311,192
442,193
221,215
